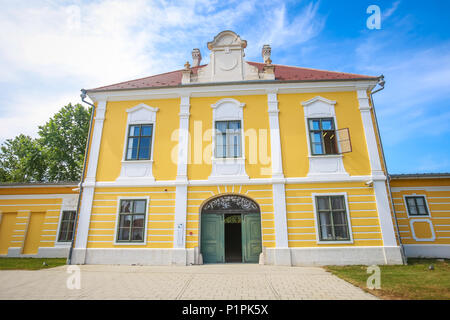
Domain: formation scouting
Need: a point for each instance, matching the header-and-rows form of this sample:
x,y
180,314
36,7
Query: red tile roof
x,y
282,73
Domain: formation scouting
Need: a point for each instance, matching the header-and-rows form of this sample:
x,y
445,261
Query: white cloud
x,y
50,49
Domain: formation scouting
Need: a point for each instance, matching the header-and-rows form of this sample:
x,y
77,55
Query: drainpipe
x,y
86,151
381,83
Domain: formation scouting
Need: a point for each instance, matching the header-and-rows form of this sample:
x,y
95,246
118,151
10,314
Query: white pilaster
x,y
275,139
282,253
378,175
369,132
181,183
89,184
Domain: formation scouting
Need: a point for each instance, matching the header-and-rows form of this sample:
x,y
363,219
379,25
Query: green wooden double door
x,y
213,238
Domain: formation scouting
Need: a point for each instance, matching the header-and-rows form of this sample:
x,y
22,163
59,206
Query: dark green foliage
x,y
57,155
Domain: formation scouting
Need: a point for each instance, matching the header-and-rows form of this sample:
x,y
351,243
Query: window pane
x,y
234,125
316,137
132,148
412,209
137,234
323,203
221,126
139,206
314,124
326,232
339,218
69,236
341,233
317,148
138,221
146,131
327,124
124,234
337,203
422,210
134,131
63,227
329,140
411,201
66,215
62,236
420,201
125,206
125,221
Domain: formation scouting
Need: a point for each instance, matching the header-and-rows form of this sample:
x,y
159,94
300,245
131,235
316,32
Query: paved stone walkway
x,y
224,282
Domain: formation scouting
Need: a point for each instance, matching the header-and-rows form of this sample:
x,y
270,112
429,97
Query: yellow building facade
x,y
236,161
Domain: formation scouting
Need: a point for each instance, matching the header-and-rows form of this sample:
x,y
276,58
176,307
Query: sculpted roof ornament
x,y
227,38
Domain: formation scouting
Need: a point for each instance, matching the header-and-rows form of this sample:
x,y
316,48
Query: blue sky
x,y
49,50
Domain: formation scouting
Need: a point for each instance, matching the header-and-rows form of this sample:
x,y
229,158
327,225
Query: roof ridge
x,y
314,69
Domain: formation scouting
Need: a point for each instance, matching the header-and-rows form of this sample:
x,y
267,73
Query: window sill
x,y
335,242
130,243
326,156
137,161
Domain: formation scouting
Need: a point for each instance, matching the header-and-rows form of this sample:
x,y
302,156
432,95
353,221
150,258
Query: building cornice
x,y
258,87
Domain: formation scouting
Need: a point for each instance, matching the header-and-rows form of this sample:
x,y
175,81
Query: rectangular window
x,y
228,139
322,136
131,221
139,142
332,218
416,206
66,227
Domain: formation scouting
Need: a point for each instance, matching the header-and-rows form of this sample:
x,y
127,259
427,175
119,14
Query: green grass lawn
x,y
413,281
30,263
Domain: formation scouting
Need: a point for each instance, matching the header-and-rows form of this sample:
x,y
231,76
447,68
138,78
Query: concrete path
x,y
224,282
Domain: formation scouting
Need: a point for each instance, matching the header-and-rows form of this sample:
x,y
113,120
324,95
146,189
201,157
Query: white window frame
x,y
138,171
426,204
69,203
236,116
316,218
130,121
221,167
323,165
123,243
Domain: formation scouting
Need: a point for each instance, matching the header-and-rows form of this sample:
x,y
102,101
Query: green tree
x,y
21,160
58,153
63,142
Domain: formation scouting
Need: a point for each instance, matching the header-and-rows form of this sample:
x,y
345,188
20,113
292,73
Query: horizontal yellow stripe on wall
x,y
311,236
7,202
300,223
107,245
299,215
362,206
268,237
25,207
366,228
366,214
269,244
365,222
267,224
258,194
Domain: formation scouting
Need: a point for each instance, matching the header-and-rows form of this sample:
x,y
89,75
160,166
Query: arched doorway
x,y
230,230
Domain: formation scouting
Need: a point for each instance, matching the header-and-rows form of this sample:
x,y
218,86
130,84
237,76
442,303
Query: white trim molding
x,y
146,222
142,170
179,237
228,169
322,165
411,224
369,132
275,137
426,204
89,184
316,218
